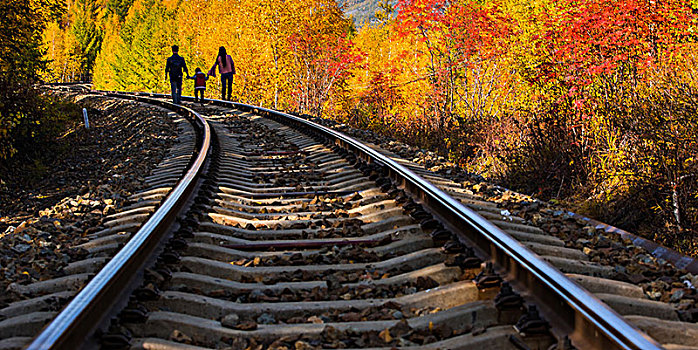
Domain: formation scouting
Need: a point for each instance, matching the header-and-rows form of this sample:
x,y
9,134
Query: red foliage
x,y
325,59
590,38
469,28
382,94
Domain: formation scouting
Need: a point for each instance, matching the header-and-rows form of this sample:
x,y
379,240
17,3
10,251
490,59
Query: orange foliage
x,y
281,50
547,96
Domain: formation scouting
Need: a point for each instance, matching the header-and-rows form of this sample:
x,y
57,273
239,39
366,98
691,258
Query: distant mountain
x,y
363,11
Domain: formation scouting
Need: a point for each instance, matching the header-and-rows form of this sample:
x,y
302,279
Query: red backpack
x,y
199,80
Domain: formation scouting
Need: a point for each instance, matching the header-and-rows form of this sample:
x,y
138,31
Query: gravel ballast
x,y
659,279
93,172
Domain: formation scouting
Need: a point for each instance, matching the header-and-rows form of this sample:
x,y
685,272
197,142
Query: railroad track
x,y
296,236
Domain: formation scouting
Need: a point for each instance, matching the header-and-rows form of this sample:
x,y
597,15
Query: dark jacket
x,y
175,67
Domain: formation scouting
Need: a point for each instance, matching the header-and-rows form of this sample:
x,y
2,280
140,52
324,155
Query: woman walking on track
x,y
226,67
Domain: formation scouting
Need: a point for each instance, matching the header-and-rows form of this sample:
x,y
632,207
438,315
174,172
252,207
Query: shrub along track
x,y
290,245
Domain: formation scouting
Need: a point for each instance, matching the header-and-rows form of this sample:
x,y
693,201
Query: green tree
x,y
25,115
21,35
119,8
88,35
138,61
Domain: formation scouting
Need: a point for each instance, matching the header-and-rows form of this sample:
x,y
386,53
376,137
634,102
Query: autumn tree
x,y
586,98
464,41
275,22
140,49
21,35
119,8
599,65
25,115
323,56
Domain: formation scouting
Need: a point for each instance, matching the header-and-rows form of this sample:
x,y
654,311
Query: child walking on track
x,y
199,85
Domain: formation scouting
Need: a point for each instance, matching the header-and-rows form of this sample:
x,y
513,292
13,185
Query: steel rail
x,y
588,316
591,321
70,329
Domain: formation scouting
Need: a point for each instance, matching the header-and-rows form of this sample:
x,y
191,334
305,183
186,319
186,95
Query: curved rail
x,y
592,321
589,321
71,327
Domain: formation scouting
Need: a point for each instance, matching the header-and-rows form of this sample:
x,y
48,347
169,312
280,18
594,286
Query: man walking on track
x,y
176,67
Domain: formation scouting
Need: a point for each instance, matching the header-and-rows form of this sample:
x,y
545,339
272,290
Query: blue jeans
x,y
176,85
226,81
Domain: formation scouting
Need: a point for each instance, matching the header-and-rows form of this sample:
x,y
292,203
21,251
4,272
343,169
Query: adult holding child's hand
x,y
226,67
175,69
